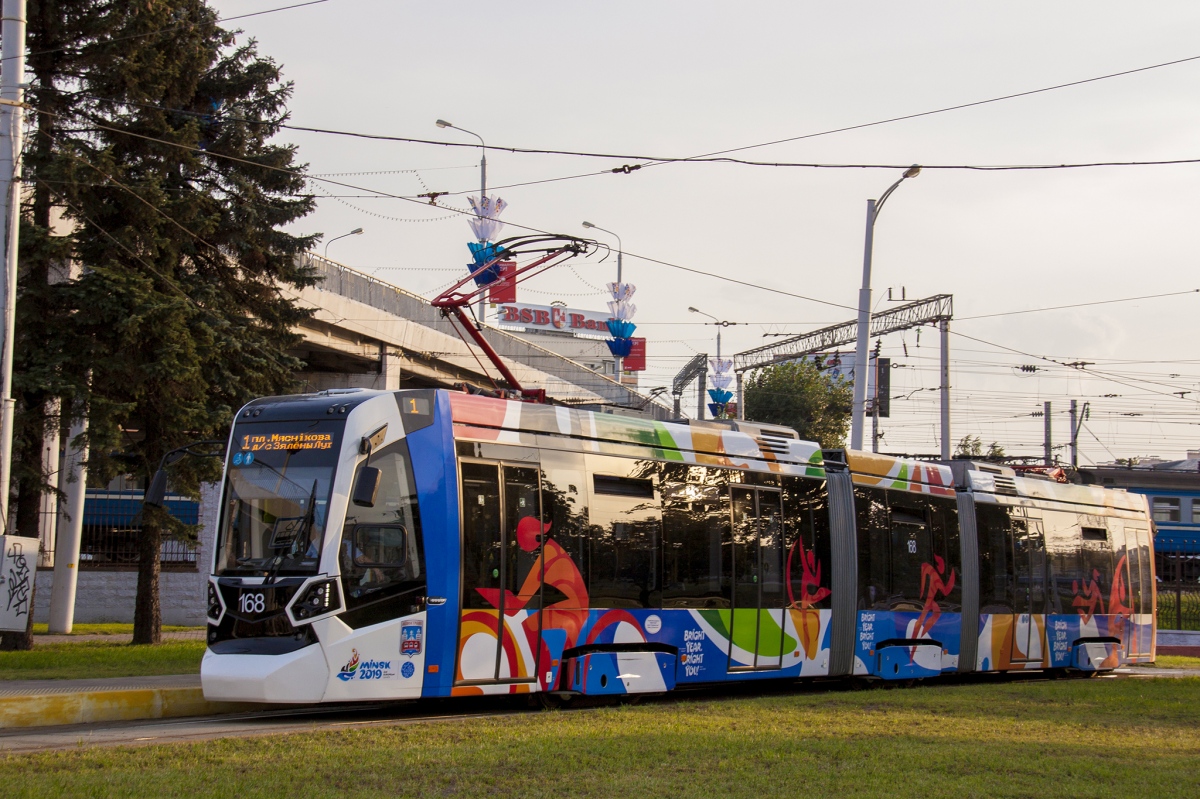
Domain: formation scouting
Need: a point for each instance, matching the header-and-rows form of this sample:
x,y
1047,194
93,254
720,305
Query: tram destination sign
x,y
554,317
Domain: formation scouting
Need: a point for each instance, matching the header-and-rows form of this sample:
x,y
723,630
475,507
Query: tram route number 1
x,y
252,603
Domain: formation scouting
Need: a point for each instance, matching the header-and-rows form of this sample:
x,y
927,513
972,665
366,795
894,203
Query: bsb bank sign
x,y
554,318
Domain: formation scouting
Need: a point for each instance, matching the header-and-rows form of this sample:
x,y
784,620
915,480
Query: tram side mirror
x,y
156,494
366,487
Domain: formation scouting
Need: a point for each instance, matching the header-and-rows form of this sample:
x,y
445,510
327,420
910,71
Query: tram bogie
x,y
393,545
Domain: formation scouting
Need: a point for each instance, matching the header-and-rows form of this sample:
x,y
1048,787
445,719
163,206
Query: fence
x,y
1178,575
112,527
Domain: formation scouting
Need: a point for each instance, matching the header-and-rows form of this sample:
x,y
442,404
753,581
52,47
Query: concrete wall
x,y
108,596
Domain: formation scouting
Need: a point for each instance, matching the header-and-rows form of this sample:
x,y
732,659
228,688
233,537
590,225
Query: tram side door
x,y
759,593
1029,560
497,642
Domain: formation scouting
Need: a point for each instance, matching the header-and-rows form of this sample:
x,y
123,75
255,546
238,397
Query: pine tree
x,y
153,131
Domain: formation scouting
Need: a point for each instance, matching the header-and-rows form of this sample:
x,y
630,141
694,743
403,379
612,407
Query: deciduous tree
x,y
804,397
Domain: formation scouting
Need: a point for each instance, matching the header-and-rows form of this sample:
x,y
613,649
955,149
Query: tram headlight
x,y
317,599
215,606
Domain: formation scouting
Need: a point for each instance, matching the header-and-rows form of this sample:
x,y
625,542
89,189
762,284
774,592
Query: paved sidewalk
x,y
45,703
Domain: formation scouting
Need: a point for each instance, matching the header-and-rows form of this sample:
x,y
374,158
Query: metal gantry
x,y
695,368
938,309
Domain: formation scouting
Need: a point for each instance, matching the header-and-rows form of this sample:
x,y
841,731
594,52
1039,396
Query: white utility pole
x,y
12,79
70,532
945,329
864,313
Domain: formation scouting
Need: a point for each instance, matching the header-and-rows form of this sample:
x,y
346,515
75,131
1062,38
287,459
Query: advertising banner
x,y
554,317
635,361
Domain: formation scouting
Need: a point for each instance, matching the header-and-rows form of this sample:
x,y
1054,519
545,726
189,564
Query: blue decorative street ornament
x,y
481,253
619,327
721,380
485,225
619,347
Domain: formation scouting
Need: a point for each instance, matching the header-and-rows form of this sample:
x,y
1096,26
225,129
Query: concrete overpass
x,y
370,334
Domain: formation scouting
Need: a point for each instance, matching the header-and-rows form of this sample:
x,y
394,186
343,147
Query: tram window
x,y
1063,540
481,522
806,515
1127,573
380,555
624,486
625,532
943,516
695,513
564,506
996,587
1097,556
874,548
911,547
1142,536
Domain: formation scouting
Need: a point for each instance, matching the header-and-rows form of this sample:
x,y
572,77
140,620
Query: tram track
x,y
294,720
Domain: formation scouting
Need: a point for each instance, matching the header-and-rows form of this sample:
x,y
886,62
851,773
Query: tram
x,y
428,543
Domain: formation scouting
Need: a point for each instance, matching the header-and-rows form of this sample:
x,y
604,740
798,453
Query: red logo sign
x,y
635,361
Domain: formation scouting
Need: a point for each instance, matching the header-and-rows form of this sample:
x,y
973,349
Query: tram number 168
x,y
252,603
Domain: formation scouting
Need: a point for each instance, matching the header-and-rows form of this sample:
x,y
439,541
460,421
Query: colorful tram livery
x,y
388,545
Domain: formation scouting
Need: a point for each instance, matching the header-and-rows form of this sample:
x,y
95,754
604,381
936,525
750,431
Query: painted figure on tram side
x,y
932,585
555,569
805,616
1091,599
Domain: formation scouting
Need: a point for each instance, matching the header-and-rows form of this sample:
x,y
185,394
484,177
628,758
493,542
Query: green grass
x,y
108,629
1067,738
77,660
1176,662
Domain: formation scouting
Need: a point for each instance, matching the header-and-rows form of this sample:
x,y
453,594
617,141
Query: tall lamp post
x,y
441,123
718,373
864,313
356,232
620,248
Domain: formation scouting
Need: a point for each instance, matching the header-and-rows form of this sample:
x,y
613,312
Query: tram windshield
x,y
276,497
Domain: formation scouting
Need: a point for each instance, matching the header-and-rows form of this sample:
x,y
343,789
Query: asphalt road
x,y
343,717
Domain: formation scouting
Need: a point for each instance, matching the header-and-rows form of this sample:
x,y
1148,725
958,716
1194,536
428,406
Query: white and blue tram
x,y
388,545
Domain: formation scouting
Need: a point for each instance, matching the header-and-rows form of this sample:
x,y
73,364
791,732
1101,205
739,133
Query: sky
x,y
676,79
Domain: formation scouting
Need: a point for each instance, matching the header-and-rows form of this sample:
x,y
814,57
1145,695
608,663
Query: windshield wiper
x,y
300,536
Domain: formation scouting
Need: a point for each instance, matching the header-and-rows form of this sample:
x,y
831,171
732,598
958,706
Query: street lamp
x,y
441,123
356,232
864,313
620,247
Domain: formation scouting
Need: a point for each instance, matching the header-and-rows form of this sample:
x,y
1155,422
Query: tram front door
x,y
495,645
759,593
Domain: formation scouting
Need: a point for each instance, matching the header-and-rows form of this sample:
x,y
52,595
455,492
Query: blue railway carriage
x,y
392,545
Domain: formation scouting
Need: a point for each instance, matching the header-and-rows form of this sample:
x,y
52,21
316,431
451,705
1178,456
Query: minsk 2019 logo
x,y
347,672
367,670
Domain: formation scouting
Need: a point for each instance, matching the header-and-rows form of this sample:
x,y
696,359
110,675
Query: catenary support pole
x,y
1074,435
70,532
741,397
1048,443
945,388
12,77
